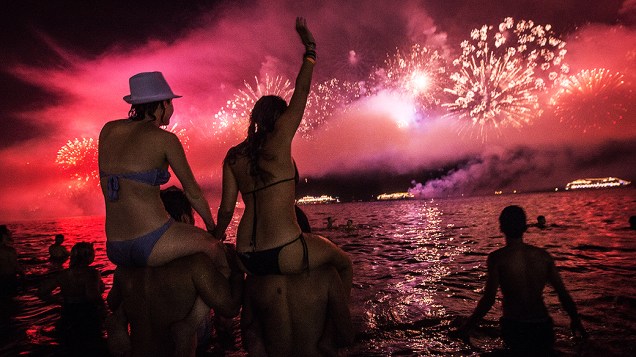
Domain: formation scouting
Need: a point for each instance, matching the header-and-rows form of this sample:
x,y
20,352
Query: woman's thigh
x,y
181,240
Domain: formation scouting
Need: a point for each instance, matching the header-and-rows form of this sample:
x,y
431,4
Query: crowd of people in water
x,y
290,286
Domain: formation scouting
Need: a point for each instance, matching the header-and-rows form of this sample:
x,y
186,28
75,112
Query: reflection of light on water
x,y
425,241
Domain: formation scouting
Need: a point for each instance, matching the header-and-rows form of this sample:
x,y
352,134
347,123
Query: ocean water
x,y
419,267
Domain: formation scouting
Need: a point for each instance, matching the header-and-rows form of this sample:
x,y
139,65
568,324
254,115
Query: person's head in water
x,y
632,222
177,205
512,222
59,239
82,254
541,221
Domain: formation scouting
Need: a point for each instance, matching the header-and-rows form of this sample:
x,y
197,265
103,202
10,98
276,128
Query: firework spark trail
x,y
419,73
231,121
78,159
181,134
498,79
326,99
591,99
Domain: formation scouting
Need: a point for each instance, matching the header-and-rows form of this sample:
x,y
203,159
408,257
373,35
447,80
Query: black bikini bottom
x,y
265,262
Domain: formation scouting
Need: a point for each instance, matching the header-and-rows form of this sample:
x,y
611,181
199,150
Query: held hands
x,y
305,35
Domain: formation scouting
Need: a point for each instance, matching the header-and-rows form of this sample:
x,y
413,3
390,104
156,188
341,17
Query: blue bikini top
x,y
154,177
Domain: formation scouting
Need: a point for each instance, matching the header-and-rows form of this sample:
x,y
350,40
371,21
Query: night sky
x,y
65,67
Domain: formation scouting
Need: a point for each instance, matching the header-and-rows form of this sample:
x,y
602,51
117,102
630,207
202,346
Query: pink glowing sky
x,y
66,68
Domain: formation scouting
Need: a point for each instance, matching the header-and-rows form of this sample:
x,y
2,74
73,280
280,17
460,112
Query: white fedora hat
x,y
147,87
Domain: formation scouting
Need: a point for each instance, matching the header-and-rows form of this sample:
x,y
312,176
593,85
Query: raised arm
x,y
568,304
289,121
177,160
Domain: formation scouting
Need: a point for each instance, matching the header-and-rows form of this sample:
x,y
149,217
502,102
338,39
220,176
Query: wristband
x,y
310,55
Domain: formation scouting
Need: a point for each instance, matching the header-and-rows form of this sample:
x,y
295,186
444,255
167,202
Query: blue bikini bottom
x,y
135,252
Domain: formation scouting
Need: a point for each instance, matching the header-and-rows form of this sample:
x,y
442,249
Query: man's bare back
x,y
157,299
522,271
296,315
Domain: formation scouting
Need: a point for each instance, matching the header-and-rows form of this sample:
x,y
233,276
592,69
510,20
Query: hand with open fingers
x,y
305,35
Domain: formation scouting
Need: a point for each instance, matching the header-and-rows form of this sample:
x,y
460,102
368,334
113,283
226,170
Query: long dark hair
x,y
138,112
264,115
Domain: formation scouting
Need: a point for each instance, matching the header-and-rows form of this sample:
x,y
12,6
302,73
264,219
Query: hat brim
x,y
141,100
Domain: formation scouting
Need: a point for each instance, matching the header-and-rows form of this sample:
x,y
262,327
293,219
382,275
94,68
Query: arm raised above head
x,y
290,120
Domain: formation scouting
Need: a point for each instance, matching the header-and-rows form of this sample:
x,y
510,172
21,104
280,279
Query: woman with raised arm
x,y
269,239
134,156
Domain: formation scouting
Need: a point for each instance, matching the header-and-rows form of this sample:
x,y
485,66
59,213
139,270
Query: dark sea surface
x,y
419,267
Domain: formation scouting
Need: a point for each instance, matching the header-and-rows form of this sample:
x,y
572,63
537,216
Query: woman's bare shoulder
x,y
115,122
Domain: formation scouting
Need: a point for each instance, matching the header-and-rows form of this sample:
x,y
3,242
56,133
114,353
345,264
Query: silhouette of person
x,y
522,271
269,239
349,227
632,222
296,315
10,268
541,222
162,318
83,309
58,254
330,222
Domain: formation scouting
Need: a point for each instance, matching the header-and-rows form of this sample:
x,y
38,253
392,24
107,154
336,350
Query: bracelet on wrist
x,y
310,56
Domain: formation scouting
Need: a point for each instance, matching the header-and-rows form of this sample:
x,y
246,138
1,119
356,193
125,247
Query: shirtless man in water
x,y
296,315
522,271
157,302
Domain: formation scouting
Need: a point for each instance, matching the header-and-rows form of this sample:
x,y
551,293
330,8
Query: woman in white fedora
x,y
134,156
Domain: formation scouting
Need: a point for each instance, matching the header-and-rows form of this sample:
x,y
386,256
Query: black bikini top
x,y
253,193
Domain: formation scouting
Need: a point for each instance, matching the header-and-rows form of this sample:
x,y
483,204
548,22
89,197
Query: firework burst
x,y
326,99
233,119
78,158
497,79
181,133
591,99
419,73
